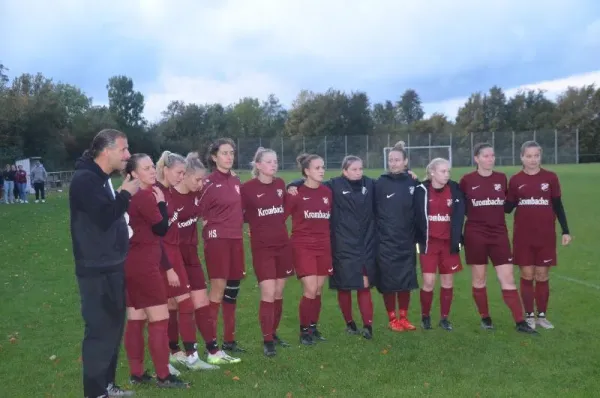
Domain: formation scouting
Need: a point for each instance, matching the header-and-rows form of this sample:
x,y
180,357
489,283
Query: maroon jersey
x,y
143,214
534,215
264,211
310,209
439,210
187,217
173,209
221,207
485,201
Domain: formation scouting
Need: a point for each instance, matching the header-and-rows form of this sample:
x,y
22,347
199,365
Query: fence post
x,y
239,152
429,147
513,147
282,159
367,152
577,145
471,135
345,145
303,145
451,149
325,151
494,139
555,147
534,135
408,152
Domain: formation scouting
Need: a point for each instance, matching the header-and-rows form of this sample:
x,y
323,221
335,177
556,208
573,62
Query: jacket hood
x,y
86,162
400,176
451,183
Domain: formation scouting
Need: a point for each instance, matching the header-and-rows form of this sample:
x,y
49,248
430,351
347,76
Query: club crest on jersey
x,y
325,200
497,187
280,192
545,186
411,190
196,201
237,189
449,202
364,190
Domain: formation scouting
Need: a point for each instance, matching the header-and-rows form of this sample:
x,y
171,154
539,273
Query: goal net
x,y
420,156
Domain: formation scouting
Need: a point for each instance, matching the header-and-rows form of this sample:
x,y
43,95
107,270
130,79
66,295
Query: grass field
x,y
41,327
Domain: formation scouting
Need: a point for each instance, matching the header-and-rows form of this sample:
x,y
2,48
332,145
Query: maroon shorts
x,y
272,263
225,258
193,267
479,247
439,258
144,282
176,260
309,262
527,254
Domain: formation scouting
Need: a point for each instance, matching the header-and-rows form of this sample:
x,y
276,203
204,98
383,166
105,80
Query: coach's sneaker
x,y
232,346
145,378
351,328
530,319
221,358
306,337
446,324
317,336
173,370
269,349
178,358
193,362
115,391
523,327
171,381
486,323
543,322
279,342
426,322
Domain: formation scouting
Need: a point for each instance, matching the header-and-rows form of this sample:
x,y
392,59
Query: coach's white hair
x,y
167,159
260,152
433,165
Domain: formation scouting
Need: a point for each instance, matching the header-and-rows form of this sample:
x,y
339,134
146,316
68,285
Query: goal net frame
x,y
387,150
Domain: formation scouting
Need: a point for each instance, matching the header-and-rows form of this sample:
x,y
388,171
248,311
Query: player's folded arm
x,y
509,206
559,210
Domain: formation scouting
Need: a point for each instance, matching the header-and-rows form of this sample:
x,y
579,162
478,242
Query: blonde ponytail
x,y
168,159
258,158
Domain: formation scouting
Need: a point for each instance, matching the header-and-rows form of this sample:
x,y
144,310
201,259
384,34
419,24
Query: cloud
x,y
552,89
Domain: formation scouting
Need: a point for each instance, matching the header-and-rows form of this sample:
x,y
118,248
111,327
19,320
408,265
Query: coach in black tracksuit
x,y
395,218
100,243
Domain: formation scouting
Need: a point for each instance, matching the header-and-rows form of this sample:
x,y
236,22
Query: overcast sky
x,y
219,51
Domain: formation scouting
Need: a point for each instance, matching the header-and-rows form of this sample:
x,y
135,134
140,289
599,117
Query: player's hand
x,y
566,239
173,278
292,191
204,223
130,185
158,194
412,174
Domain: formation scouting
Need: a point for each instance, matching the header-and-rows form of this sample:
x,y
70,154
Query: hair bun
x,y
400,145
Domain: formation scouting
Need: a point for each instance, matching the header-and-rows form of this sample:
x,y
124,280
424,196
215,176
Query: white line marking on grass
x,y
584,283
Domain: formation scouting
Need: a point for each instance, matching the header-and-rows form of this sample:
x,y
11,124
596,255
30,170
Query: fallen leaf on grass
x,y
288,395
256,385
13,340
322,367
235,378
52,357
227,372
333,390
426,385
384,351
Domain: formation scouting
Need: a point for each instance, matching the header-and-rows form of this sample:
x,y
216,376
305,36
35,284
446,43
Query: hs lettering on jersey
x,y
316,214
270,211
534,202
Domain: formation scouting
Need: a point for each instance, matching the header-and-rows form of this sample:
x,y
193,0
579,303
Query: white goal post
x,y
424,154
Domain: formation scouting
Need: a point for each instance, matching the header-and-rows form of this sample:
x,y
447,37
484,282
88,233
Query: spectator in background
x,y
1,185
9,184
38,179
21,184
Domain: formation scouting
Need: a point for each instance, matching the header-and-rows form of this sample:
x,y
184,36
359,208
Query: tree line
x,y
56,120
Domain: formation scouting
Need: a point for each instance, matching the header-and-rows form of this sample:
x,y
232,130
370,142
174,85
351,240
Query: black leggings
x,y
39,189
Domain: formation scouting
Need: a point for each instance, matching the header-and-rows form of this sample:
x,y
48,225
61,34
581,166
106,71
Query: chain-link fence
x,y
559,147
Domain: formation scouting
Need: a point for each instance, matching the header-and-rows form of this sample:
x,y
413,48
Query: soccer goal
x,y
420,156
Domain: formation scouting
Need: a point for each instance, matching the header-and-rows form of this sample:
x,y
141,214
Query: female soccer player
x,y
146,291
536,194
263,199
396,254
221,210
310,210
170,170
185,198
486,236
440,207
353,241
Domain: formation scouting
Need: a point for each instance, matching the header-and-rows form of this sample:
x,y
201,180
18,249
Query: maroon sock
x,y
158,343
187,325
513,302
316,309
542,294
527,295
481,301
365,305
305,311
278,310
345,301
134,346
266,313
228,322
445,301
203,322
214,317
389,299
403,303
426,300
173,331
